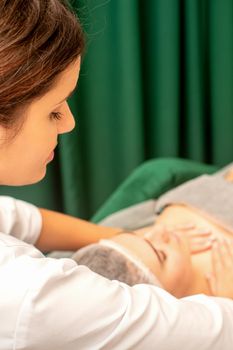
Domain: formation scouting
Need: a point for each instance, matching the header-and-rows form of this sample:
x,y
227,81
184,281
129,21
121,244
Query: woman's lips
x,y
51,156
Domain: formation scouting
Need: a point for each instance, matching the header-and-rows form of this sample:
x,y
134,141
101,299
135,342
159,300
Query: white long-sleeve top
x,y
53,304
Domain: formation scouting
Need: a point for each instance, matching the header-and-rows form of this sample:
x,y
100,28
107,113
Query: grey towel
x,y
211,194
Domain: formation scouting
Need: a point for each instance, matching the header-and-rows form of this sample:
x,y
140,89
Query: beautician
x,y
50,303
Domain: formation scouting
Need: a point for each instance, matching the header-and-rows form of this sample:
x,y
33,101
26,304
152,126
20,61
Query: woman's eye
x,y
56,115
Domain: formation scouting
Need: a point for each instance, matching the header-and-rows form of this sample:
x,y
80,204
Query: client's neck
x,y
197,286
201,266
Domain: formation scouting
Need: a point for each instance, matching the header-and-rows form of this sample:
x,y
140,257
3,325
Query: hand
x,y
198,240
220,281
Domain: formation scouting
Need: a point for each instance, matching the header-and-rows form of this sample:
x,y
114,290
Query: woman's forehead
x,y
64,86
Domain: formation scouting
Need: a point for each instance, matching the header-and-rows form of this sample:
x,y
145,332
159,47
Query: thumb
x,y
211,282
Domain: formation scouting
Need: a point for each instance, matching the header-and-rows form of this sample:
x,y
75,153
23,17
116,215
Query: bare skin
x,y
184,271
202,262
220,281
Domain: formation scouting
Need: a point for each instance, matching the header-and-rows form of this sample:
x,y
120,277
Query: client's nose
x,y
164,236
159,233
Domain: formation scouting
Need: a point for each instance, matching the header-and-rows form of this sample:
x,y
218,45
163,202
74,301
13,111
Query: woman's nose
x,y
67,122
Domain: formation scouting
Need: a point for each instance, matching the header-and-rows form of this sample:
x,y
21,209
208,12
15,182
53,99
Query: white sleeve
x,y
69,307
20,219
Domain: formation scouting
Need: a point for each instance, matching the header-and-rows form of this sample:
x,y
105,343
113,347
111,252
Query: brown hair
x,y
38,40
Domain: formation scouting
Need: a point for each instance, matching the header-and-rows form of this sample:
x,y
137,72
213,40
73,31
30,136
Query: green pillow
x,y
150,180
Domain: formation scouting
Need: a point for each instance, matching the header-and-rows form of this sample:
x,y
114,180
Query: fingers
x,y
227,252
222,255
201,232
220,280
198,245
186,226
195,240
199,240
216,258
191,231
211,283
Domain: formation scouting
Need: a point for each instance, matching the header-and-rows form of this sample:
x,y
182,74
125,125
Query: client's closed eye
x,y
159,253
162,255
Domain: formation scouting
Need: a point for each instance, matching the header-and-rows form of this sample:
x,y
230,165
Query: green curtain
x,y
156,81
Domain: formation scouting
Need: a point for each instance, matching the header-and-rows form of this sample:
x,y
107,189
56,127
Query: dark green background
x,y
156,81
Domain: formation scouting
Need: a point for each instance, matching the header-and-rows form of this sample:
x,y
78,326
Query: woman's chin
x,y
37,179
23,178
24,181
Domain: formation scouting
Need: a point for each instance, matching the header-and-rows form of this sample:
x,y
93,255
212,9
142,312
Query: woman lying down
x,y
167,252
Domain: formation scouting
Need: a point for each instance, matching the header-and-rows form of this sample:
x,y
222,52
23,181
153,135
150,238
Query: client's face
x,y
173,266
167,255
